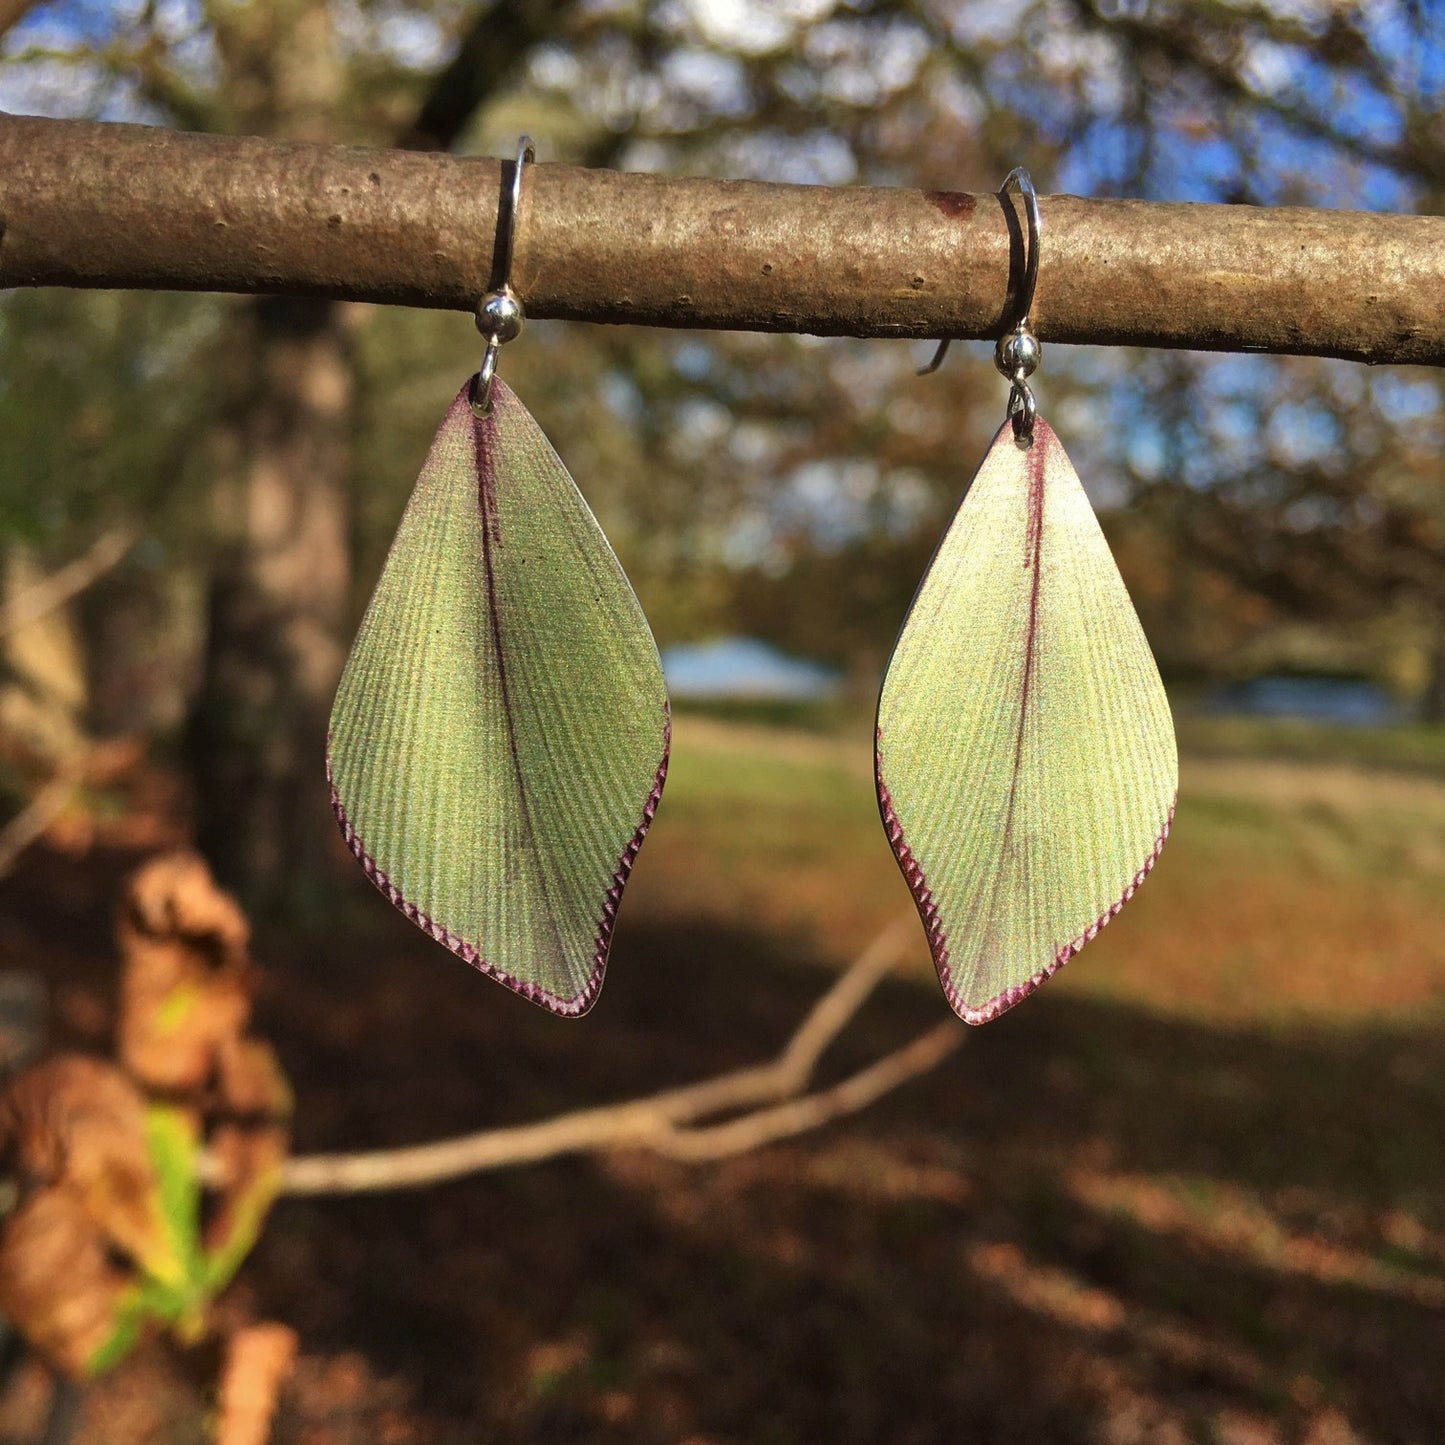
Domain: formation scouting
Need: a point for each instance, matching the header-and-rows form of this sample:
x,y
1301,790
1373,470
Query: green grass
x,y
825,716
1295,882
1418,749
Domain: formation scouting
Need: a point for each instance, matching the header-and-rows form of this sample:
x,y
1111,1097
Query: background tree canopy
x,y
1194,1191
1265,511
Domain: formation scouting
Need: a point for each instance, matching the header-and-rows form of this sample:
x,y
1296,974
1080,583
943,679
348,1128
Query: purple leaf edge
x,y
580,1003
933,925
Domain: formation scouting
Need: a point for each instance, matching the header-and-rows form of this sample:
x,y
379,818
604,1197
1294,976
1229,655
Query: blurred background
x,y
1193,1191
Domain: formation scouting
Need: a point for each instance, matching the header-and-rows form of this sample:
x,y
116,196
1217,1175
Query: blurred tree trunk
x,y
276,607
278,584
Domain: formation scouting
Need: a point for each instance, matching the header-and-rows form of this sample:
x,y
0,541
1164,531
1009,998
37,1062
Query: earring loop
x,y
1018,352
500,314
1021,178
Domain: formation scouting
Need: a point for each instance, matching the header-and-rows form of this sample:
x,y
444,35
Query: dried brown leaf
x,y
79,1122
186,974
259,1359
250,1081
57,1282
248,1146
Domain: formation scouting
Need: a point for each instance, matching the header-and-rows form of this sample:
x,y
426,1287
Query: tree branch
x,y
68,581
487,53
659,1121
1183,42
798,1116
48,803
88,204
12,12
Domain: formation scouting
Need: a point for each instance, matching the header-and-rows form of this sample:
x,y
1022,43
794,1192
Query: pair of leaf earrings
x,y
500,737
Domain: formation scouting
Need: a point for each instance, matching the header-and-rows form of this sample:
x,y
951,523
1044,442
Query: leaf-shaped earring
x,y
500,735
1026,763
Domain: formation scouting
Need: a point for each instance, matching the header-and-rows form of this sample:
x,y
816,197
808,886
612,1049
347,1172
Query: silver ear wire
x,y
1018,352
1020,177
500,314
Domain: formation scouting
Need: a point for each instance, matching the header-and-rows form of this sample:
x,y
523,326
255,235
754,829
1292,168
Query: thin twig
x,y
56,589
12,12
812,1111
38,814
656,1122
792,1070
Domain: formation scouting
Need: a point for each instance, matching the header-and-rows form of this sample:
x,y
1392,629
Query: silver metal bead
x,y
1019,355
500,314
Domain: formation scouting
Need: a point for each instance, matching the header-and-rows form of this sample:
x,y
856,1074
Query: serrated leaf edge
x,y
607,920
928,910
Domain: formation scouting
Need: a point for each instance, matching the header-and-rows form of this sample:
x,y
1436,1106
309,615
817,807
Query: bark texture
x,y
85,204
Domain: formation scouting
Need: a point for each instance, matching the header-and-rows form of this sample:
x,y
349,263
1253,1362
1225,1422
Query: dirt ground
x,y
1095,1223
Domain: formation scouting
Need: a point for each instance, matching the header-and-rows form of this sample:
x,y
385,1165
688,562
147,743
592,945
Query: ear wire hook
x,y
500,315
1018,352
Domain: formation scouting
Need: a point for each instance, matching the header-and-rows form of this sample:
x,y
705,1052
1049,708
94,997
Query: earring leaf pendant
x,y
1026,763
499,740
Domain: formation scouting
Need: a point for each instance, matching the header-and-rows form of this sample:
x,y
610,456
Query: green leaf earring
x,y
500,735
1026,764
